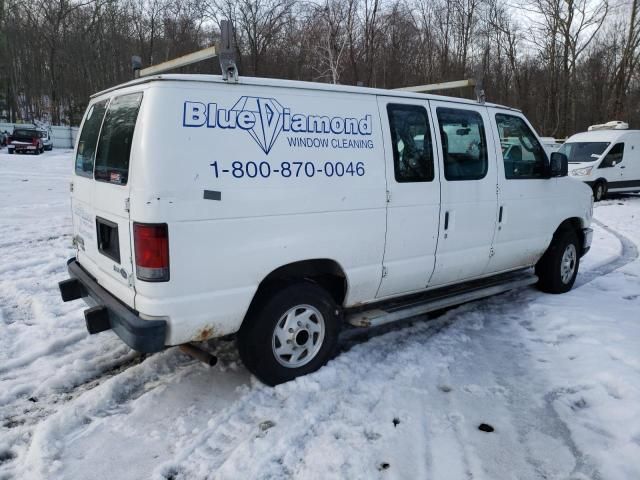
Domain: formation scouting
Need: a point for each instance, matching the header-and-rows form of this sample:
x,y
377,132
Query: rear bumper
x,y
587,234
23,148
145,336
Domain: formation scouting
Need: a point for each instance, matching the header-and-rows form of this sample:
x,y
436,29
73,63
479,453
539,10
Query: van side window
x,y
464,145
411,142
89,139
114,146
522,154
614,157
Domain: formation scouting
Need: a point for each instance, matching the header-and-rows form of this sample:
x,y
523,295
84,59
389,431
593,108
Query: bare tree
x,y
628,62
570,63
328,26
261,21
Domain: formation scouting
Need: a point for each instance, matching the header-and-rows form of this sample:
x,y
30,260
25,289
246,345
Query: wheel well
x,y
323,271
574,224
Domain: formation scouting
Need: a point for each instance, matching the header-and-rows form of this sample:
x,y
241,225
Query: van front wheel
x,y
558,268
289,333
599,190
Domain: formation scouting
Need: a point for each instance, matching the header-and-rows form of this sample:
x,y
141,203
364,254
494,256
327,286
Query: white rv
x,y
283,210
608,160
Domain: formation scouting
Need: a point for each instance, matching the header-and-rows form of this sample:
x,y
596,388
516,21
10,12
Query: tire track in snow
x,y
518,394
20,418
509,365
628,255
214,453
48,358
35,241
515,301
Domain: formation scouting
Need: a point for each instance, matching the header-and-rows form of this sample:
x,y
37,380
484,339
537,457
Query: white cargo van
x,y
608,160
279,210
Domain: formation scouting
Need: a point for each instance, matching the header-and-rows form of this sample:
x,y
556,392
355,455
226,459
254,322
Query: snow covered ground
x,y
557,377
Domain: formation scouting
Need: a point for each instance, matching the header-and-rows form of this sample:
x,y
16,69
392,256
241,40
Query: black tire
x,y
257,340
551,276
599,190
36,151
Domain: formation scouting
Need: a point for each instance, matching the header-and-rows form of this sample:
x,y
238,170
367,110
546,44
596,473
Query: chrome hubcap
x,y
568,264
298,336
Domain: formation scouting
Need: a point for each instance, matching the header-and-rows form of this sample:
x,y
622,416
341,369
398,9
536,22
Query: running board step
x,y
396,312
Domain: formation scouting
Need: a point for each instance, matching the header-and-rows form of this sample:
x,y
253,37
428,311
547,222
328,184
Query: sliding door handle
x,y
500,215
446,220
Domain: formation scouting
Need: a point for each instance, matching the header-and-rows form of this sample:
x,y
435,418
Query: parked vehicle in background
x,y
550,144
608,160
281,210
46,136
26,140
612,125
4,139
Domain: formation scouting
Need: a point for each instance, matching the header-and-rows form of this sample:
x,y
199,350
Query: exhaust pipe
x,y
199,354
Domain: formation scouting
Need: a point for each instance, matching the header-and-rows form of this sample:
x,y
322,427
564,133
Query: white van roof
x,y
293,84
610,136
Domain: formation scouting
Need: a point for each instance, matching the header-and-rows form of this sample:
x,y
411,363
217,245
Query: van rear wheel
x,y
289,333
558,268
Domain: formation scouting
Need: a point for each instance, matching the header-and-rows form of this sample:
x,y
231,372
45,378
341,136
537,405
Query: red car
x,y
25,140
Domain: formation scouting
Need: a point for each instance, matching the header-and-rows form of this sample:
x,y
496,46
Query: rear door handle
x,y
500,215
446,220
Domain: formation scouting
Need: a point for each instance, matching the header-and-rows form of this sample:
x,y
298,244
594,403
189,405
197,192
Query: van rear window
x,y
89,139
114,146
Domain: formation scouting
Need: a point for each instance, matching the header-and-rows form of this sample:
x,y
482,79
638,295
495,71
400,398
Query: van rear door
x,y
100,193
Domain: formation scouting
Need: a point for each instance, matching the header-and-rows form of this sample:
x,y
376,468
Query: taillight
x,y
151,242
34,141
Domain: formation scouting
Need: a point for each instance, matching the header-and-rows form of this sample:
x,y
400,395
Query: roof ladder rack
x,y
225,52
227,55
433,87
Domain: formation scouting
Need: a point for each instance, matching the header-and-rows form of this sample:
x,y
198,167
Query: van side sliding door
x,y
413,193
614,169
468,183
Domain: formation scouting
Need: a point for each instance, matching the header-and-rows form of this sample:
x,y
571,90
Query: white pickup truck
x,y
281,210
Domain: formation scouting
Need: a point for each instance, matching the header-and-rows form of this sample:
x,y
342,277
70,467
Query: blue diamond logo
x,y
269,119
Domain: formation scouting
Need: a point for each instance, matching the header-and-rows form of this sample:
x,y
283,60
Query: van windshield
x,y
579,152
114,146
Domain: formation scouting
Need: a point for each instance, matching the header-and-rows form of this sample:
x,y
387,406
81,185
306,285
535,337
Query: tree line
x,y
566,63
